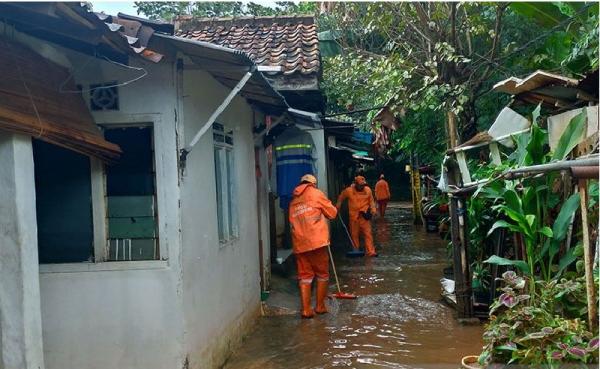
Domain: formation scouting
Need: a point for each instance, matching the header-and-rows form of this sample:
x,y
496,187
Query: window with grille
x,y
131,196
226,188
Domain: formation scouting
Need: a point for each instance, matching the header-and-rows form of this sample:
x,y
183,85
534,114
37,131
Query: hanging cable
x,y
143,70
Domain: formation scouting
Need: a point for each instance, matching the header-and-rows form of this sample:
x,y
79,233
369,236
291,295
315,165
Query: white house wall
x,y
188,309
220,282
123,314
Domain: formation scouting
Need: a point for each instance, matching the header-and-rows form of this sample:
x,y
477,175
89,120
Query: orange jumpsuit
x,y
359,201
382,195
309,209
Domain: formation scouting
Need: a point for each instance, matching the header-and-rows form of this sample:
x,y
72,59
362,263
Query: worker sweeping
x,y
361,208
310,237
382,194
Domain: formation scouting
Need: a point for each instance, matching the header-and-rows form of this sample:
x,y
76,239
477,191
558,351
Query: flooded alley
x,y
397,321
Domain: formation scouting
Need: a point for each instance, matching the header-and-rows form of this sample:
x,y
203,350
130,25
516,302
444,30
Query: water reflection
x,y
398,320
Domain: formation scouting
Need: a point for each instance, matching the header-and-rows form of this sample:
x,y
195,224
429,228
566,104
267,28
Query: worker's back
x,y
382,190
308,210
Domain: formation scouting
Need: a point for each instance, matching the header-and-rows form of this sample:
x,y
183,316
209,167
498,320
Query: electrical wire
x,y
143,70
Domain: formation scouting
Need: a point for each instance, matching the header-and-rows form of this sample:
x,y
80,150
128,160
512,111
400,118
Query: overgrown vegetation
x,y
547,328
168,10
428,59
539,318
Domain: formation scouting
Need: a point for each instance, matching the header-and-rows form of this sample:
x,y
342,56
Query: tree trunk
x,y
468,121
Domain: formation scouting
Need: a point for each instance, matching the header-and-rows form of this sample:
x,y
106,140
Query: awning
x,y
31,102
358,155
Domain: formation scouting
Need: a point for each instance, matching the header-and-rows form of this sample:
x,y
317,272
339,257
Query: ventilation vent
x,y
104,96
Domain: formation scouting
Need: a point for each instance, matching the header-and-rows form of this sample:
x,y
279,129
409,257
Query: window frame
x,y
99,206
106,250
226,189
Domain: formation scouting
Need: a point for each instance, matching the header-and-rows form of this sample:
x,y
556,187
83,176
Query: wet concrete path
x,y
398,320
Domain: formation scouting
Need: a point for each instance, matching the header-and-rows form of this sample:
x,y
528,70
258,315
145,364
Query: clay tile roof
x,y
288,41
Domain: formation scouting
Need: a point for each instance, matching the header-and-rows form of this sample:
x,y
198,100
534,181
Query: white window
x,y
227,212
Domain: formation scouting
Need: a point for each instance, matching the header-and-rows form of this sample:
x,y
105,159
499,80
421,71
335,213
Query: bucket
x,y
470,362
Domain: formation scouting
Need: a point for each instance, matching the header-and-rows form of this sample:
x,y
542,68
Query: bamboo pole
x,y
587,257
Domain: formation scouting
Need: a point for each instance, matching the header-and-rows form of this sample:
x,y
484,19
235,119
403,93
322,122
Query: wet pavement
x,y
398,320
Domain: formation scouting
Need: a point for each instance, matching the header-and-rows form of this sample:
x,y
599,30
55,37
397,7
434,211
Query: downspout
x,y
186,150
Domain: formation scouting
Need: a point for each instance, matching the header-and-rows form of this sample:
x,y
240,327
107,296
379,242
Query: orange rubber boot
x,y
322,290
305,294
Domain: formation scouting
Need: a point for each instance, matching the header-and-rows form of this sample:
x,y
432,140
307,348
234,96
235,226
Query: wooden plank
x,y
464,169
587,257
130,206
133,227
272,227
495,153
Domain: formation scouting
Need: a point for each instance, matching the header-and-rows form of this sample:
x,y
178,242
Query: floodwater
x,y
397,321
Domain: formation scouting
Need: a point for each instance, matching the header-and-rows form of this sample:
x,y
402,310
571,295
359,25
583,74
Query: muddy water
x,y
398,320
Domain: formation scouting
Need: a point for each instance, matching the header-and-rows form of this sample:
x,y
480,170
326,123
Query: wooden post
x,y
451,126
272,227
462,283
587,257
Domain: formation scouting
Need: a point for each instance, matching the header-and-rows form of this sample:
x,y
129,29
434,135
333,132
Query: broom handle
x,y
337,282
347,233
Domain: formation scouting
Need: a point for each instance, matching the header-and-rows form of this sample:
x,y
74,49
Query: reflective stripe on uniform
x,y
295,146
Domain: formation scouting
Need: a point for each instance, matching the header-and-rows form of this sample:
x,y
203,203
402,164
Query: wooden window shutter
x,y
31,102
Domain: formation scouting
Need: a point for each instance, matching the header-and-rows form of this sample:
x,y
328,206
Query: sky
x,y
127,7
114,7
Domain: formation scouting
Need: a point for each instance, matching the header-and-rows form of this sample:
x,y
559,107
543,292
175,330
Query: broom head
x,y
355,254
343,295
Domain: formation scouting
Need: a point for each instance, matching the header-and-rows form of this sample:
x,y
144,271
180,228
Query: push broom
x,y
355,252
339,294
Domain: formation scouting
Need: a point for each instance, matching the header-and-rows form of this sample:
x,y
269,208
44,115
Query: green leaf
x,y
535,146
497,260
530,220
579,265
512,200
502,224
543,13
506,348
546,231
572,136
563,220
535,114
566,260
594,192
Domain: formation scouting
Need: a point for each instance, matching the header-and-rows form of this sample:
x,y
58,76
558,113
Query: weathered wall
x,y
220,281
189,308
123,314
20,320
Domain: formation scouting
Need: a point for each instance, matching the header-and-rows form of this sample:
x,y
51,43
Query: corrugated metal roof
x,y
290,42
554,91
540,78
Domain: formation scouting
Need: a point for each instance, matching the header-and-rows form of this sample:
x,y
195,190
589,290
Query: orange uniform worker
x,y
361,207
382,194
310,237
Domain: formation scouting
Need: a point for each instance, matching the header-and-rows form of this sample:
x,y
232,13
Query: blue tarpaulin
x,y
294,158
364,137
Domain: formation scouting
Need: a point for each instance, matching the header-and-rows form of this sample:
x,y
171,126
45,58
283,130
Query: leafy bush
x,y
547,329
